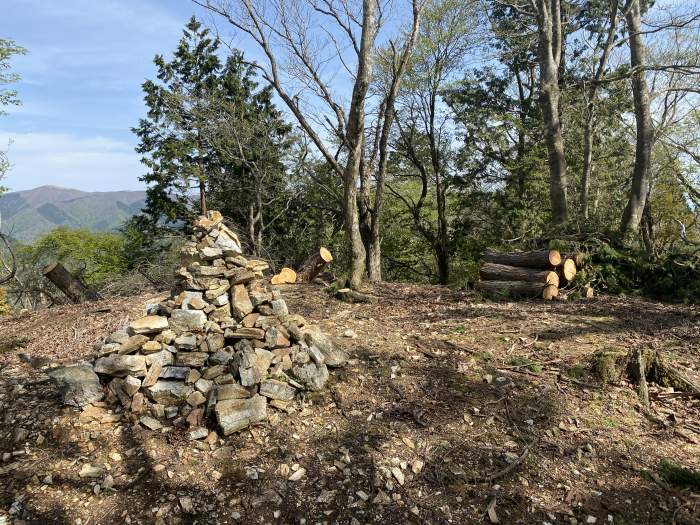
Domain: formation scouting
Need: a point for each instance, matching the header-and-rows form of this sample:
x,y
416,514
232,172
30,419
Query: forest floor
x,y
435,419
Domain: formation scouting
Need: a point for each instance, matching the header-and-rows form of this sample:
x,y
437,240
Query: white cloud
x,y
91,164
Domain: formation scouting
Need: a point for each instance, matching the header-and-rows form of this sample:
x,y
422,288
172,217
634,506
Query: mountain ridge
x,y
28,214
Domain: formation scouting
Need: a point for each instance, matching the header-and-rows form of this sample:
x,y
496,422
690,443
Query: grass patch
x,y
674,474
577,371
484,355
524,362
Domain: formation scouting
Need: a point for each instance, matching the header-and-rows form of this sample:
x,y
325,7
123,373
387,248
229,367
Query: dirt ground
x,y
451,410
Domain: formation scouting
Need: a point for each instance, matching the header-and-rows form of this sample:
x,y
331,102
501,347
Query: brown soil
x,y
436,396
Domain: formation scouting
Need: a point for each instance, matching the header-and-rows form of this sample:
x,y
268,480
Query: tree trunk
x,y
202,197
354,135
442,253
588,129
71,286
501,272
314,265
549,51
443,262
519,288
538,259
587,160
632,216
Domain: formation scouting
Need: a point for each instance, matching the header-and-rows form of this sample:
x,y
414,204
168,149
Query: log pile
x,y
528,274
220,351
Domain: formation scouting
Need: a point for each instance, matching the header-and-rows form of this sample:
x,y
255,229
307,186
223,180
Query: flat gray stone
x,y
78,385
121,365
231,391
191,359
174,372
333,356
311,375
149,325
277,390
236,414
187,320
169,392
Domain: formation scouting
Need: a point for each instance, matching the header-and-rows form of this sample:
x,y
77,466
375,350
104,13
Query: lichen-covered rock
x,y
311,375
187,320
191,359
277,390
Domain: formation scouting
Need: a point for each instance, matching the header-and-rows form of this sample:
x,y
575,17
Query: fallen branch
x,y
504,472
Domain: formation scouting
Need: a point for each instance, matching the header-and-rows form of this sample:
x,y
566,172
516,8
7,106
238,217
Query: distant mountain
x,y
29,214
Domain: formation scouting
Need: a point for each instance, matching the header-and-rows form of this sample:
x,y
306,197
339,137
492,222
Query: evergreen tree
x,y
210,127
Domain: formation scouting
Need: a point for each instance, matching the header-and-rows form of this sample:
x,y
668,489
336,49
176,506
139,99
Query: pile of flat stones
x,y
222,348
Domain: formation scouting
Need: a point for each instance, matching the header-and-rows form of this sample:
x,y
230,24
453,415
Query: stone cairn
x,y
223,346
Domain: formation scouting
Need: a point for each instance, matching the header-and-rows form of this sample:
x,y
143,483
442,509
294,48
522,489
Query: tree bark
x,y
632,216
202,197
371,215
519,288
502,272
539,259
550,57
354,136
314,265
71,286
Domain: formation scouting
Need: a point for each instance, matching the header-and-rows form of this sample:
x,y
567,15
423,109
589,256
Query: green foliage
x,y
8,97
95,257
673,276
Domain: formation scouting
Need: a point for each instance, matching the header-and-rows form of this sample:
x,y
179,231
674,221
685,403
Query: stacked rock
x,y
224,344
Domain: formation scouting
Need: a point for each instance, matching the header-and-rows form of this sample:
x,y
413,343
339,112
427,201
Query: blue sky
x,y
81,87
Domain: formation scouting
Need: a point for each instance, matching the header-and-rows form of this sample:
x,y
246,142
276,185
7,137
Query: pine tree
x,y
174,148
210,127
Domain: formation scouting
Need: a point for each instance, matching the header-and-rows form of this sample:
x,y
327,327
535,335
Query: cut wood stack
x,y
529,274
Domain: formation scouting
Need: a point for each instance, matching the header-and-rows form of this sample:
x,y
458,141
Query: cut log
x,y
568,270
519,288
538,259
314,265
70,285
286,276
587,292
502,272
579,258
